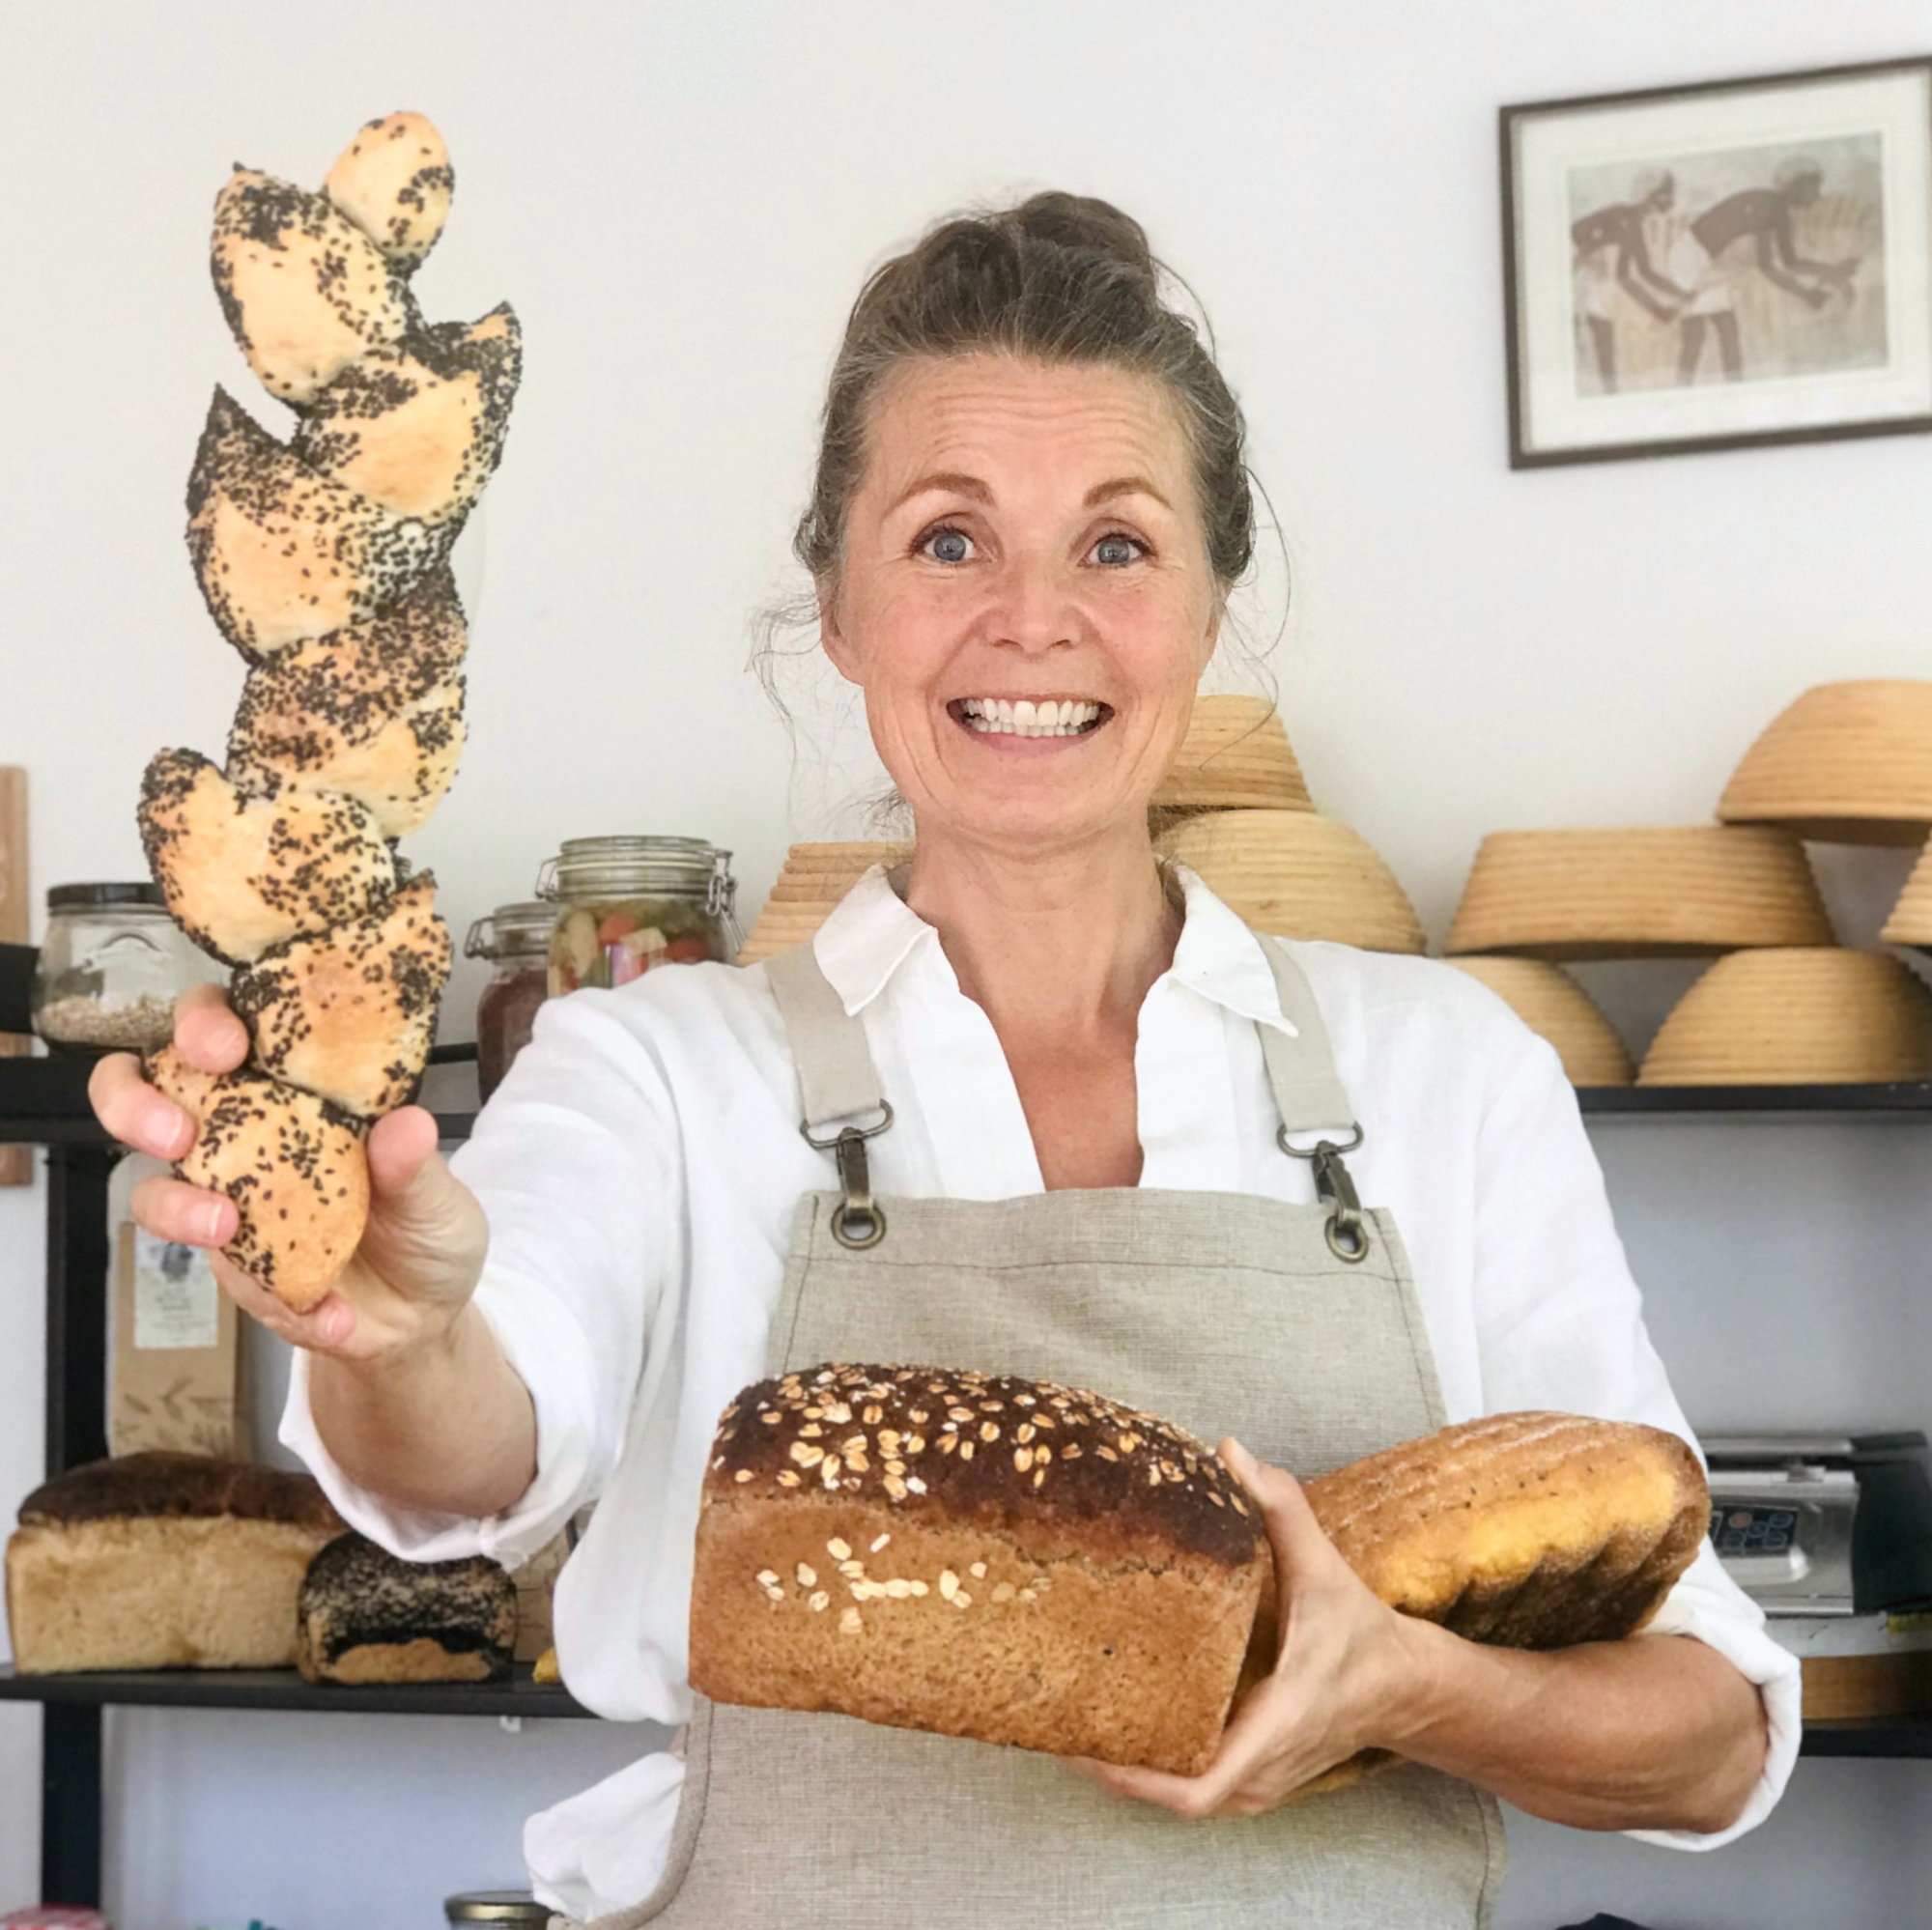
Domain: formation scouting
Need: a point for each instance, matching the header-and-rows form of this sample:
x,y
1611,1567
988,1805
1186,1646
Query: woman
x,y
1030,507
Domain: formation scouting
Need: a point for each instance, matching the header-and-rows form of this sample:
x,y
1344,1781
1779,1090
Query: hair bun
x,y
1085,222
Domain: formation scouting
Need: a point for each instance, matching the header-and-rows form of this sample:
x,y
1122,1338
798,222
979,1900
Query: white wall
x,y
681,201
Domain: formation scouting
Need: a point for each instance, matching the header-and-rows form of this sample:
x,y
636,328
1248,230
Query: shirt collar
x,y
872,931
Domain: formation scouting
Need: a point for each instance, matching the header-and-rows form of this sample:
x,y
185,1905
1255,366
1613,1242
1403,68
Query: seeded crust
x,y
374,711
365,1616
419,428
243,874
157,1485
975,1555
303,288
349,1016
292,1164
1525,1530
282,554
394,182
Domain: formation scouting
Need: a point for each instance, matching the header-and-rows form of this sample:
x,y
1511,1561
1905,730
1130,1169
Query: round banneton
x,y
1911,921
1676,892
1554,1007
1235,755
1796,1017
1296,874
811,882
1849,763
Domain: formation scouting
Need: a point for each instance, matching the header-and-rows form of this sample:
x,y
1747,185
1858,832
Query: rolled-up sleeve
x,y
576,1163
1560,1324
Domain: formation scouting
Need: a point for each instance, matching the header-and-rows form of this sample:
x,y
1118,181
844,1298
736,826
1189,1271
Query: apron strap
x,y
837,1080
1311,1098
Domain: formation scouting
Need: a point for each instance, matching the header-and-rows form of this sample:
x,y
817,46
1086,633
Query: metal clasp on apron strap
x,y
857,1220
1347,1237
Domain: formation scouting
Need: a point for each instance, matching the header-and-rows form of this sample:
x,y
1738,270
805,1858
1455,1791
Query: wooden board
x,y
16,1162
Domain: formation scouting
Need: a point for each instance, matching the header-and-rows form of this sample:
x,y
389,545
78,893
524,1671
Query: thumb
x,y
411,1191
1293,1531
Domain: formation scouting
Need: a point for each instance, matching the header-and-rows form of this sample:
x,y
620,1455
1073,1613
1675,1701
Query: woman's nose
x,y
1033,608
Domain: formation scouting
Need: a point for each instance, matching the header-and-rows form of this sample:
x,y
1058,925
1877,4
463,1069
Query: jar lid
x,y
75,897
497,1906
511,929
633,864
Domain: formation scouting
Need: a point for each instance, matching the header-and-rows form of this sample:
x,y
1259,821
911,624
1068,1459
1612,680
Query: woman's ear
x,y
832,637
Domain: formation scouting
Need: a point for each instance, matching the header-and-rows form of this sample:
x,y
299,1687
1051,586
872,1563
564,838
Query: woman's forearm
x,y
446,1426
1655,1733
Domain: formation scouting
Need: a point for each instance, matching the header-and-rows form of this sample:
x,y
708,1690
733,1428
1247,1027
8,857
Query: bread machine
x,y
1824,1524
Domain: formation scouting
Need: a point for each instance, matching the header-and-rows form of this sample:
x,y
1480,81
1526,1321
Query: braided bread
x,y
324,560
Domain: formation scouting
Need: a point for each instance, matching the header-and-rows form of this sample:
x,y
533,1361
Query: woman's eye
x,y
1111,552
947,546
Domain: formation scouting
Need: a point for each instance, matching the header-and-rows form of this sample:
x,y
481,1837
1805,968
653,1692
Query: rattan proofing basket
x,y
811,882
1236,757
1297,875
1553,1005
1911,920
1849,762
1796,1016
1641,894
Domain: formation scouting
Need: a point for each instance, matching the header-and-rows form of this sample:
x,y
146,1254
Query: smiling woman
x,y
1078,1111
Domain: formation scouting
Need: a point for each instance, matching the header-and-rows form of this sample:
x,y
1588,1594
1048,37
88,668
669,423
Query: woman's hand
x,y
421,1252
1343,1660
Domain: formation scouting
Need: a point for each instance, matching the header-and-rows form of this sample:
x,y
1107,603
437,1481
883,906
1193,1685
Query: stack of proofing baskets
x,y
1784,1004
1233,807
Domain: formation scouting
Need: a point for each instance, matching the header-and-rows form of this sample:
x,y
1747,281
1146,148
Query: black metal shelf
x,y
1869,1736
1906,1096
283,1689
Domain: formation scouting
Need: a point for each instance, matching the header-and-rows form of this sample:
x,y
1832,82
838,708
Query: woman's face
x,y
1025,596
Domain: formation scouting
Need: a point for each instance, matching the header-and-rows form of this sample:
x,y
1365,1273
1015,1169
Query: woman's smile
x,y
1009,722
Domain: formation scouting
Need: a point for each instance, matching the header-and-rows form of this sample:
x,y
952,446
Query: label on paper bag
x,y
177,1303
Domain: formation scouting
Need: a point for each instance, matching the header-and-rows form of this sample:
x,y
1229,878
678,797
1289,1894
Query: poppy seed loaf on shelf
x,y
323,559
1035,1565
365,1616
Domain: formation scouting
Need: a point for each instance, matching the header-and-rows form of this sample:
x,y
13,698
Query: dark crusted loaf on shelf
x,y
977,1555
364,1616
157,1485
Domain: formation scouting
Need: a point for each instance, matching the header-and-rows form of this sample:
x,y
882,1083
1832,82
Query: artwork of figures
x,y
1703,267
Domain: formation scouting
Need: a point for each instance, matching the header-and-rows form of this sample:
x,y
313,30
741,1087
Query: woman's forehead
x,y
980,416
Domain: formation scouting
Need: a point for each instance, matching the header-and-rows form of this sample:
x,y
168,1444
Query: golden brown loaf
x,y
374,711
243,874
975,1555
1527,1530
394,182
292,1164
349,1016
162,1561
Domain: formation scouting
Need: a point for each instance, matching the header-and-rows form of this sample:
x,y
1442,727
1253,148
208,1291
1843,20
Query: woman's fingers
x,y
207,1033
192,1216
133,1112
1300,1547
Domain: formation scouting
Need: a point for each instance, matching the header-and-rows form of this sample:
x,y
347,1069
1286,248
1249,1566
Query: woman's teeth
x,y
1023,716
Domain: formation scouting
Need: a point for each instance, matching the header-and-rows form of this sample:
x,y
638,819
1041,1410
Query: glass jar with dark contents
x,y
624,906
516,940
111,967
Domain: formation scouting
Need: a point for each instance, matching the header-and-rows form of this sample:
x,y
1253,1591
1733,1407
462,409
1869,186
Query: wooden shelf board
x,y
1909,1096
283,1689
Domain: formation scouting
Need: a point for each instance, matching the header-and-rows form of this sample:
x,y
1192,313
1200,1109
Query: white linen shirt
x,y
641,1164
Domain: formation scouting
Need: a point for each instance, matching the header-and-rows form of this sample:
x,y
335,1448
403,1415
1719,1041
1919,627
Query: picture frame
x,y
1719,265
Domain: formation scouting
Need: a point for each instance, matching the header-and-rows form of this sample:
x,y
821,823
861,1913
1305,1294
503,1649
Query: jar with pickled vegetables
x,y
625,906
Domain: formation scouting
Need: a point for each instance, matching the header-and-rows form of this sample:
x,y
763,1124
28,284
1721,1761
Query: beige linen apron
x,y
1294,1328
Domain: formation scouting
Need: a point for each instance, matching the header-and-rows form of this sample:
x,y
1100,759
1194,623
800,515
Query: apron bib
x,y
1294,1328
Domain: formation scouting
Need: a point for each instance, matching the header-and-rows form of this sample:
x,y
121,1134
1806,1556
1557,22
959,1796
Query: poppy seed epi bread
x,y
394,182
162,1561
975,1555
292,1164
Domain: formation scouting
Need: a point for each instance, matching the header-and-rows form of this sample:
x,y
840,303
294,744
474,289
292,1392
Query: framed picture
x,y
1701,267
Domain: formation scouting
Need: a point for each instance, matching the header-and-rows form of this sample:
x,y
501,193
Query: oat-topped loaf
x,y
975,1555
